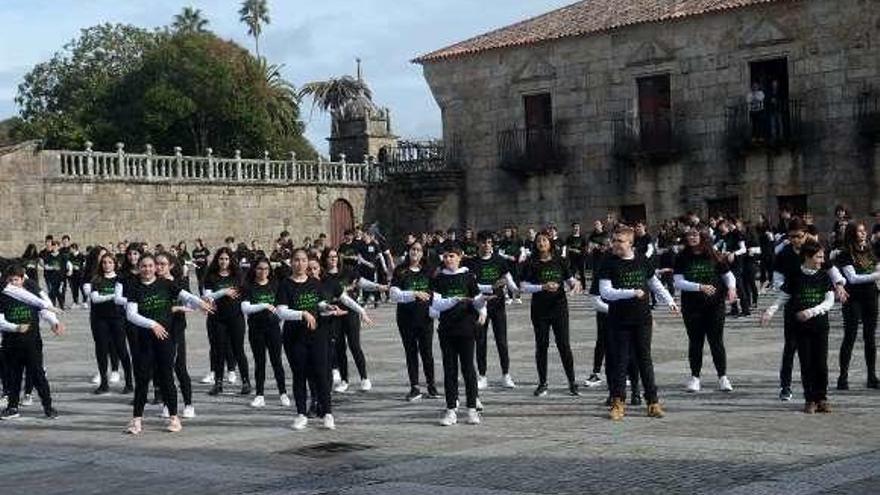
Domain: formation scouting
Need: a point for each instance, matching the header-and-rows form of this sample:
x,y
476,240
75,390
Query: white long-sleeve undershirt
x,y
852,277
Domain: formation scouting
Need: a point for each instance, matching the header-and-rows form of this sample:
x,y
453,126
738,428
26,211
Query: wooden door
x,y
341,219
654,112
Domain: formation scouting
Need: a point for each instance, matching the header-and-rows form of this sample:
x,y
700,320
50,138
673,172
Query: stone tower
x,y
363,131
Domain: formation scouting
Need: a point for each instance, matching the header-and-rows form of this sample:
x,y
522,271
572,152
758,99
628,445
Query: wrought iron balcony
x,y
530,151
868,116
772,127
654,136
410,157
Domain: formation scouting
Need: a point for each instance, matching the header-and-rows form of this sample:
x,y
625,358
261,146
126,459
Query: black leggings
x,y
227,334
630,341
263,339
458,349
55,286
789,347
860,308
109,336
178,335
307,353
154,355
601,349
418,340
349,330
705,323
558,321
813,353
25,355
497,315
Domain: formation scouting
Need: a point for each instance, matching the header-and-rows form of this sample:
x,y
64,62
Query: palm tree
x,y
189,20
282,101
254,13
338,96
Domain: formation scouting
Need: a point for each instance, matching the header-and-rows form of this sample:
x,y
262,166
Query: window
x,y
655,112
796,204
630,214
768,100
723,206
538,110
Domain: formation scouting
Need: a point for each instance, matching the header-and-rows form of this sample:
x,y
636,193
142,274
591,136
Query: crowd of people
x,y
307,304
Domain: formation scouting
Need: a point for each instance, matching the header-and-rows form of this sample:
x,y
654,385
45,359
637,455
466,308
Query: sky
x,y
313,40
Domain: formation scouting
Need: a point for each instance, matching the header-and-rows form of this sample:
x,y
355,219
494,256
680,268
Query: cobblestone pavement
x,y
745,442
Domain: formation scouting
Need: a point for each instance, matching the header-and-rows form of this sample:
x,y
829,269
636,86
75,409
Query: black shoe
x,y
573,389
414,394
127,390
541,391
785,394
103,389
432,391
245,388
10,413
608,401
217,389
873,382
842,383
635,399
51,413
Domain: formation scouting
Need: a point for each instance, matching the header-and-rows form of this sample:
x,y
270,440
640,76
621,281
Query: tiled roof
x,y
585,17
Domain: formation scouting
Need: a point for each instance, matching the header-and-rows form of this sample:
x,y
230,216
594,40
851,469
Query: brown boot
x,y
617,410
810,408
823,407
655,411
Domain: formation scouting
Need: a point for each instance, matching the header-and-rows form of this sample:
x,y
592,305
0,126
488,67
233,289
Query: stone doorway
x,y
341,219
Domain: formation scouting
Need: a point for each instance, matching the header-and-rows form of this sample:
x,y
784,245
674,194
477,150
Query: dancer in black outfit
x,y
169,267
107,323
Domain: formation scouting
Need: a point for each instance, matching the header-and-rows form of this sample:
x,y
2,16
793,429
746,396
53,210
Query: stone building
x,y
642,107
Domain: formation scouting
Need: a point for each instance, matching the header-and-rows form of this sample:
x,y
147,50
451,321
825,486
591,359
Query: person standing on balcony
x,y
755,102
775,105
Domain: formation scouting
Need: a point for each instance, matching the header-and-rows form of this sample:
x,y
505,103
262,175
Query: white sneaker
x,y
341,387
4,401
450,418
692,385
285,400
165,413
482,383
96,380
337,377
507,381
300,422
329,422
189,412
593,380
114,377
209,378
518,300
479,405
724,384
366,385
28,400
231,378
259,401
473,417
628,383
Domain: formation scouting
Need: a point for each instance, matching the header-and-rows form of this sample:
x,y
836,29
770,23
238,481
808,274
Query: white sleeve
x,y
480,302
852,277
485,288
511,285
351,304
401,296
441,304
131,313
836,277
212,295
599,305
609,293
660,291
530,288
118,298
823,307
650,251
780,301
248,309
679,282
97,298
368,285
778,280
287,314
729,280
741,249
87,289
49,317
7,326
26,297
779,247
189,299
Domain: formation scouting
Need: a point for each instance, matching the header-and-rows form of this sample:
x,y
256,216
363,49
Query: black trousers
x,y
55,287
458,350
178,335
497,316
579,268
28,379
75,282
154,356
24,355
558,322
789,347
349,332
630,341
860,308
750,286
308,352
632,370
705,323
813,353
263,339
225,335
109,337
418,340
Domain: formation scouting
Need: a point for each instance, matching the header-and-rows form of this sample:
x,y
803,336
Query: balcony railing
x,y
772,127
410,157
867,113
530,151
653,136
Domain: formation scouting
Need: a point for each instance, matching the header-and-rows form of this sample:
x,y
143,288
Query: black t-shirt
x,y
200,257
640,244
77,261
541,272
104,287
469,249
262,294
863,265
154,300
489,272
576,242
53,263
343,280
414,313
628,274
807,291
787,262
226,306
20,313
462,318
301,296
702,269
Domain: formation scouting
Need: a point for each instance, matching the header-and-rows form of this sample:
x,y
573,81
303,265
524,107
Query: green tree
x,y
189,20
254,13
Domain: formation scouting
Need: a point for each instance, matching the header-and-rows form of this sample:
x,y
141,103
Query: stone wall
x,y
832,49
35,201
